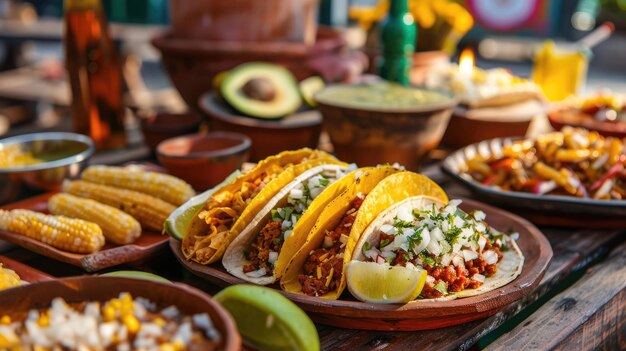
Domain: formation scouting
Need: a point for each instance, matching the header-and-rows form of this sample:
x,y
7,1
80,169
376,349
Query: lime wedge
x,y
177,223
381,283
136,275
267,320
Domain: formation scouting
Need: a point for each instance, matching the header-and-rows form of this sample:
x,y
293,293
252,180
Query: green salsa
x,y
381,95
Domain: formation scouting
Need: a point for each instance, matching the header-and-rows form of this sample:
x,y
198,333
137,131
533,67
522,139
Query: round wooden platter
x,y
417,315
147,245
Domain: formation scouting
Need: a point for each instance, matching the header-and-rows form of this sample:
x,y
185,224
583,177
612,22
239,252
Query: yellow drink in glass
x,y
559,73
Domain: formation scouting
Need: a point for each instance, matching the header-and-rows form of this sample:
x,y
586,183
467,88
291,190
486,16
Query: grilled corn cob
x,y
150,211
118,227
162,186
68,234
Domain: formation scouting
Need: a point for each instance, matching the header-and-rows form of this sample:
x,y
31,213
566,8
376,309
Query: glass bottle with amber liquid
x,y
95,74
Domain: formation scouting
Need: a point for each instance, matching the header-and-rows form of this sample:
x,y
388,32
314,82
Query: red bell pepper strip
x,y
611,173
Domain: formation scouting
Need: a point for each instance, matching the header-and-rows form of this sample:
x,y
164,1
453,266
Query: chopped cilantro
x,y
398,223
275,216
323,181
452,234
384,243
427,260
366,247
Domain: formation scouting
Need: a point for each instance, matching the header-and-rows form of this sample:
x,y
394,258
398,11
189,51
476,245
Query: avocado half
x,y
309,87
261,90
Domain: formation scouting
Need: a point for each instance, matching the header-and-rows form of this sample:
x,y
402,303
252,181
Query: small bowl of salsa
x,y
383,122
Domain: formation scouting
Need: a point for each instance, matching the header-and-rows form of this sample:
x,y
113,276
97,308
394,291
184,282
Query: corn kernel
x,y
131,323
43,321
167,347
159,321
5,320
108,313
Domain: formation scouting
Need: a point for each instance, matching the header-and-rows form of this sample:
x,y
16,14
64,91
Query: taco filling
x,y
323,268
457,249
263,252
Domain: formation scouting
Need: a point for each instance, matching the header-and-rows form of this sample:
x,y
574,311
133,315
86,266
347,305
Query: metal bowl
x,y
64,155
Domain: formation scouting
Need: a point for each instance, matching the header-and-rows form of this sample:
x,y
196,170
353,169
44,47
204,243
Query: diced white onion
x,y
388,229
458,222
480,227
455,202
273,256
296,193
407,232
478,277
287,233
405,214
425,235
257,274
482,241
285,224
388,254
343,238
434,247
457,260
372,253
446,259
398,240
328,241
456,248
469,255
514,236
546,187
430,279
479,215
437,234
490,257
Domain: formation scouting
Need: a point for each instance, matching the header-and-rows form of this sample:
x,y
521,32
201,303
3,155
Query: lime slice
x,y
267,320
136,275
177,223
382,283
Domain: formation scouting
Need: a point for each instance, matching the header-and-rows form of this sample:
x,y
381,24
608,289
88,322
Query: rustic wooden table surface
x,y
580,303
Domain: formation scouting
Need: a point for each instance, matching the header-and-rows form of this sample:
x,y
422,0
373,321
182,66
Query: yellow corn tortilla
x,y
508,268
383,186
234,259
205,247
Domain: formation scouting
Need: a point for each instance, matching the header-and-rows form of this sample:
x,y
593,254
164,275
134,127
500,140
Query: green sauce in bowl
x,y
383,96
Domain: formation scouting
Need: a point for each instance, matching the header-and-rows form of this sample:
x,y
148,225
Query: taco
x,y
462,255
261,251
317,268
233,206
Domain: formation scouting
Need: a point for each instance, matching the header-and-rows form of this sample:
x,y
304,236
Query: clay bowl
x,y
161,126
204,160
567,116
17,301
470,126
191,63
369,137
299,130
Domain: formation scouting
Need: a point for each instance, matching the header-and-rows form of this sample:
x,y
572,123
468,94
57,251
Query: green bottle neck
x,y
398,7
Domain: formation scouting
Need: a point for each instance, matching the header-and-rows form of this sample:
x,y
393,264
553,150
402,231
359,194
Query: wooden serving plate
x,y
26,273
147,245
17,301
418,315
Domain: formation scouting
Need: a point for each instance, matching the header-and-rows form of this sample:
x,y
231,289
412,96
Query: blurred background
x,y
172,51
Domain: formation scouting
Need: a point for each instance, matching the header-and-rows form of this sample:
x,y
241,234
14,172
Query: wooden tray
x,y
26,273
149,243
420,315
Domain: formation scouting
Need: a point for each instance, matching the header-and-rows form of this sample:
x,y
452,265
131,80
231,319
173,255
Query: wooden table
x,y
580,304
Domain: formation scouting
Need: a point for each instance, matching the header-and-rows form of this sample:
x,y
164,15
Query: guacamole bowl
x,y
382,122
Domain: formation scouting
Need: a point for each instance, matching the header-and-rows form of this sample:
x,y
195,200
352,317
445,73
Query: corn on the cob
x,y
118,227
162,186
68,234
150,211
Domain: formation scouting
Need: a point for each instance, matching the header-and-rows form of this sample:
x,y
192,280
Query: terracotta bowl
x,y
191,63
204,160
161,126
468,127
566,116
370,137
299,130
19,300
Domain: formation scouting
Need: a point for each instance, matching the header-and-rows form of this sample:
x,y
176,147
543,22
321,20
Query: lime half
x,y
177,223
267,320
136,275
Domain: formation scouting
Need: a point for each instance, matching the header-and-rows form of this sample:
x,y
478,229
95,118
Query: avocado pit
x,y
259,89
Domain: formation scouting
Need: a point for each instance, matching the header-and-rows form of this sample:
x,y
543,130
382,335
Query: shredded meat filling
x,y
323,269
268,240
